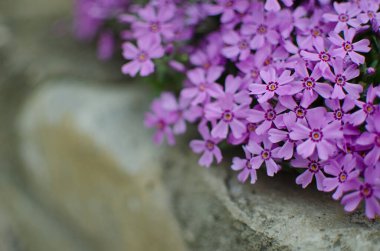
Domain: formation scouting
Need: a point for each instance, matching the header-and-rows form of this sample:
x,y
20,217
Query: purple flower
x,y
309,85
236,45
313,167
319,135
208,147
228,9
346,16
273,85
371,138
367,109
229,115
322,57
245,167
347,47
264,153
267,115
262,27
340,77
340,113
273,5
369,191
204,84
276,136
156,22
236,91
141,57
161,119
344,176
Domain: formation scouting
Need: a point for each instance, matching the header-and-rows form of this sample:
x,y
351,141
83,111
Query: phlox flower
x,y
319,135
273,85
344,176
236,45
322,56
367,109
267,115
345,16
347,47
367,190
314,168
208,147
141,57
371,138
227,8
244,165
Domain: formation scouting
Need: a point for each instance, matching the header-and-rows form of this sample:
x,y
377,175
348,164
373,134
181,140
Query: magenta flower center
x,y
316,32
347,46
300,112
155,27
251,127
270,115
324,56
340,80
255,73
338,114
342,177
369,108
160,125
343,18
314,166
266,154
308,83
262,29
142,57
243,45
201,87
228,116
371,14
210,145
366,190
272,86
268,61
316,135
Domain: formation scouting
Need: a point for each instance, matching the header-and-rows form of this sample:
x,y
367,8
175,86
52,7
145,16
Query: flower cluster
x,y
293,84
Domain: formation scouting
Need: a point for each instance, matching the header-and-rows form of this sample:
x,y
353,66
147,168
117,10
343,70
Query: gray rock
x,y
87,145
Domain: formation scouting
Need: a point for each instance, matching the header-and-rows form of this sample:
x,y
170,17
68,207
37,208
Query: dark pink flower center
x,y
300,112
268,61
338,114
342,177
324,56
369,108
371,14
316,31
316,135
347,46
366,190
202,87
314,166
266,154
154,27
243,45
210,145
272,86
343,17
270,115
340,80
251,127
309,83
160,125
227,116
142,57
262,29
254,73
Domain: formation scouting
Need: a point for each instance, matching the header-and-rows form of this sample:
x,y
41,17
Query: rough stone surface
x,y
89,161
87,144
